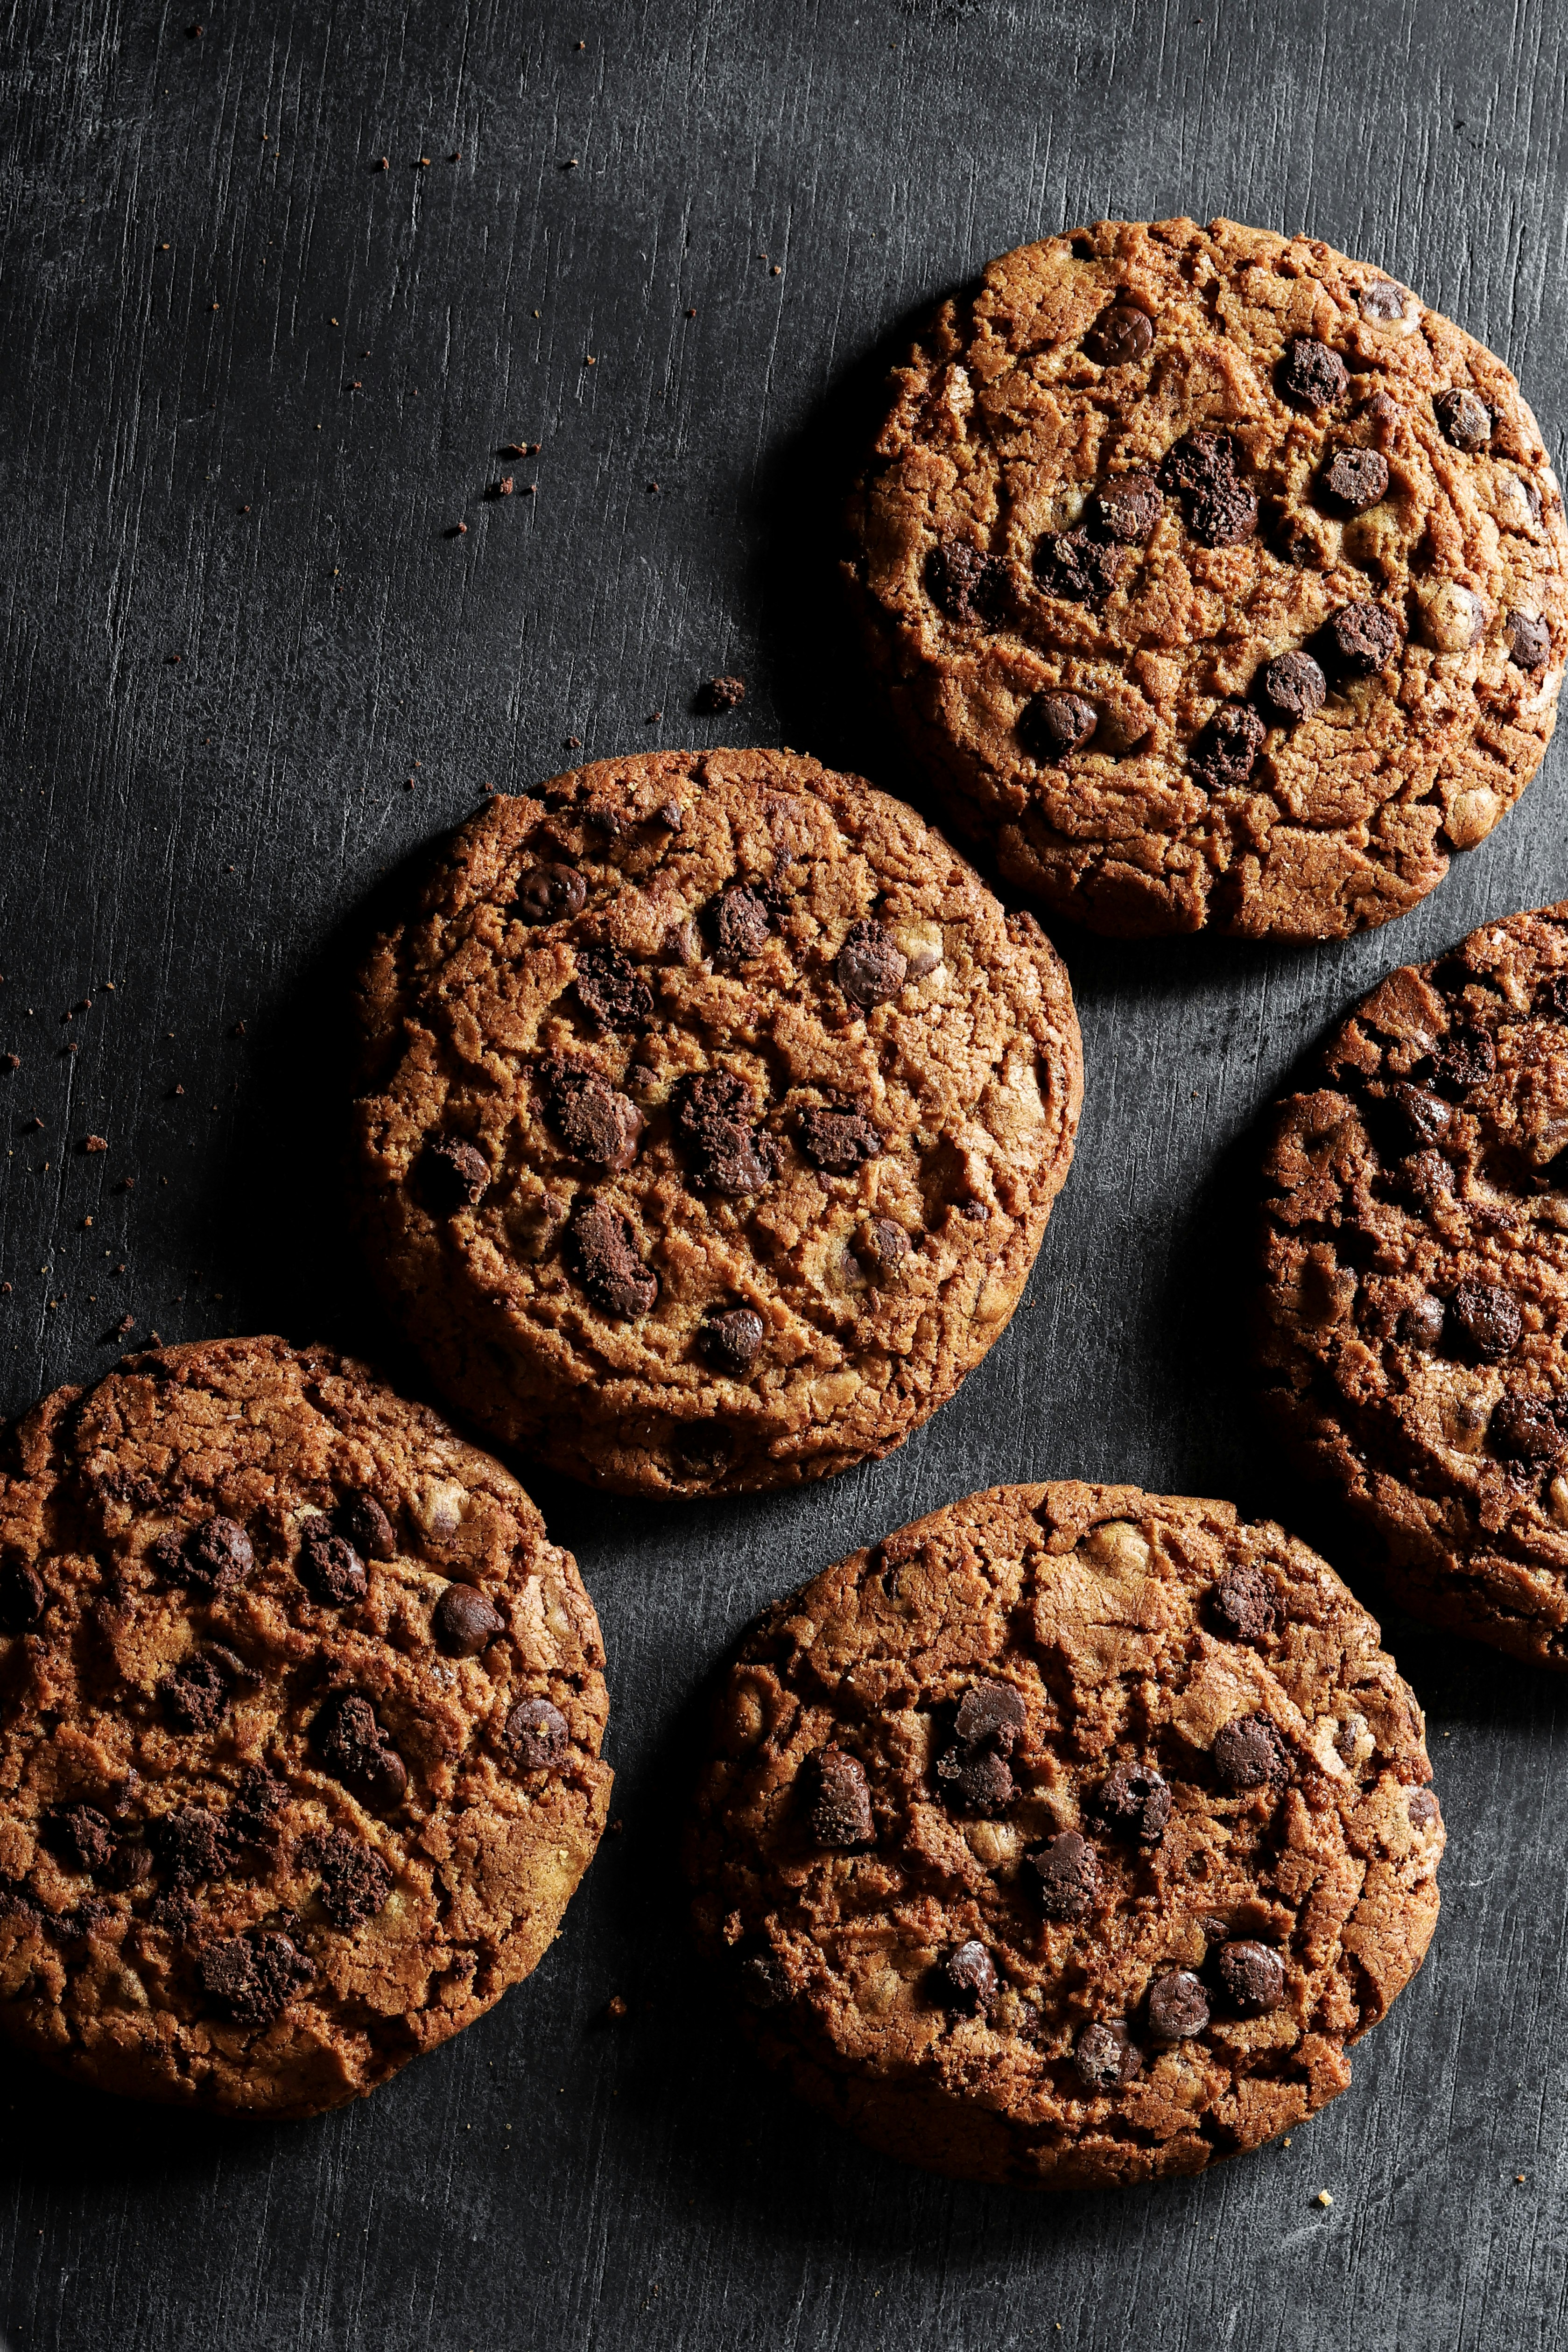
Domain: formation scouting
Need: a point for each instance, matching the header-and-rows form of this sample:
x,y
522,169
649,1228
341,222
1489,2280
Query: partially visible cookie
x,y
1067,1837
1215,578
1414,1336
300,1728
711,1114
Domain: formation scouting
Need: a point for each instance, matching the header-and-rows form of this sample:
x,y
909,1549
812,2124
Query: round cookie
x,y
300,1731
1067,1837
1415,1303
711,1114
1215,578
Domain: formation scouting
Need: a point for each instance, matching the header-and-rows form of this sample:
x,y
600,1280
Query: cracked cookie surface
x,y
712,1111
1415,1303
1067,1837
1215,579
299,1728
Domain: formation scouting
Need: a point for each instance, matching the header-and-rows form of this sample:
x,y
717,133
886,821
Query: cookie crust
x,y
1131,470
1145,1839
1414,1325
299,1742
712,1111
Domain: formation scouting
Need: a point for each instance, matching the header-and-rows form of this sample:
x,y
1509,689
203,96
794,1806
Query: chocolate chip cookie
x,y
711,1115
1215,579
299,1734
1067,1837
1415,1280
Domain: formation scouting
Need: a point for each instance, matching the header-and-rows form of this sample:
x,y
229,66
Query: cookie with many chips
x,y
711,1114
299,1728
1067,1837
1215,578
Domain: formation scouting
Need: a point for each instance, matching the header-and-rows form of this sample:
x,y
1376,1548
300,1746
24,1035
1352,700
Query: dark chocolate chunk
x,y
1524,1429
457,1175
1245,1605
1363,637
870,967
548,893
967,586
1293,687
254,1977
731,1339
969,1979
1312,373
1067,1869
464,1623
355,1882
1465,418
718,693
1420,1325
79,1837
1250,1754
1073,565
595,1122
990,1711
838,1138
195,1695
1356,478
1134,1800
976,1779
329,1567
1222,516
367,1527
1550,999
1052,725
536,1734
716,1121
1178,2008
839,1801
217,1557
1119,335
1224,752
190,1845
606,1264
1220,508
1416,1119
610,989
1104,2055
1379,298
765,1978
883,1245
1422,1808
23,1597
1465,1060
1253,1975
1199,462
249,1818
1527,638
740,921
357,1751
1127,508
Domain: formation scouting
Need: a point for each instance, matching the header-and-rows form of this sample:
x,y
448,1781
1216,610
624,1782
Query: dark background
x,y
249,384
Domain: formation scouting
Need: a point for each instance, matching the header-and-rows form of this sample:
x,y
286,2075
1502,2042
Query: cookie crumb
x,y
1324,2198
615,2008
718,693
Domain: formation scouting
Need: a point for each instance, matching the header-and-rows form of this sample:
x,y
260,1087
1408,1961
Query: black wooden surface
x,y
250,383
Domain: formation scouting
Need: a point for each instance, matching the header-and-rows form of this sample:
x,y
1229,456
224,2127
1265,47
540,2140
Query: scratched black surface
x,y
251,383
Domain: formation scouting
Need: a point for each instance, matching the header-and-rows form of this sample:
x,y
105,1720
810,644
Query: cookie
x,y
300,1737
1067,1838
711,1114
1215,579
1414,1302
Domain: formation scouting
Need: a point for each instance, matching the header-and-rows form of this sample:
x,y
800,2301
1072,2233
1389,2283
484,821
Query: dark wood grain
x,y
252,382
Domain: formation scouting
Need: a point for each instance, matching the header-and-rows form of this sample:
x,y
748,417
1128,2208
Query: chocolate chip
x,y
1250,1754
1198,462
609,989
837,1138
1465,1060
883,1245
1253,1975
250,1816
1220,508
1466,420
1356,478
969,1979
1420,1325
1417,1119
367,1527
601,1248
1293,687
1224,752
870,967
1550,1001
1245,1605
731,1339
716,1121
1052,725
1127,507
1527,638
1312,373
595,1122
329,1567
722,694
1134,1800
190,1845
765,1978
23,1597
1119,335
215,1557
741,923
990,1711
355,1882
1524,1429
254,1977
536,1733
978,1779
131,1864
1077,567
1381,298
1363,637
548,893
195,1695
79,1837
967,586
1178,2008
1422,1809
1067,1869
1104,2056
356,1751
839,1809
457,1175
464,1623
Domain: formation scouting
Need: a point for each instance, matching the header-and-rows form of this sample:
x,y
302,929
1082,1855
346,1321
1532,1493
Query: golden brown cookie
x,y
299,1741
1215,579
1067,1837
1415,1341
711,1114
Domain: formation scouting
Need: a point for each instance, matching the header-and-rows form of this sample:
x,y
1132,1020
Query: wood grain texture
x,y
210,835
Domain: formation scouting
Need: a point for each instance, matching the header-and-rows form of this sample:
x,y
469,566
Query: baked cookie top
x,y
711,1114
1415,1323
1215,579
300,1726
1068,1836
